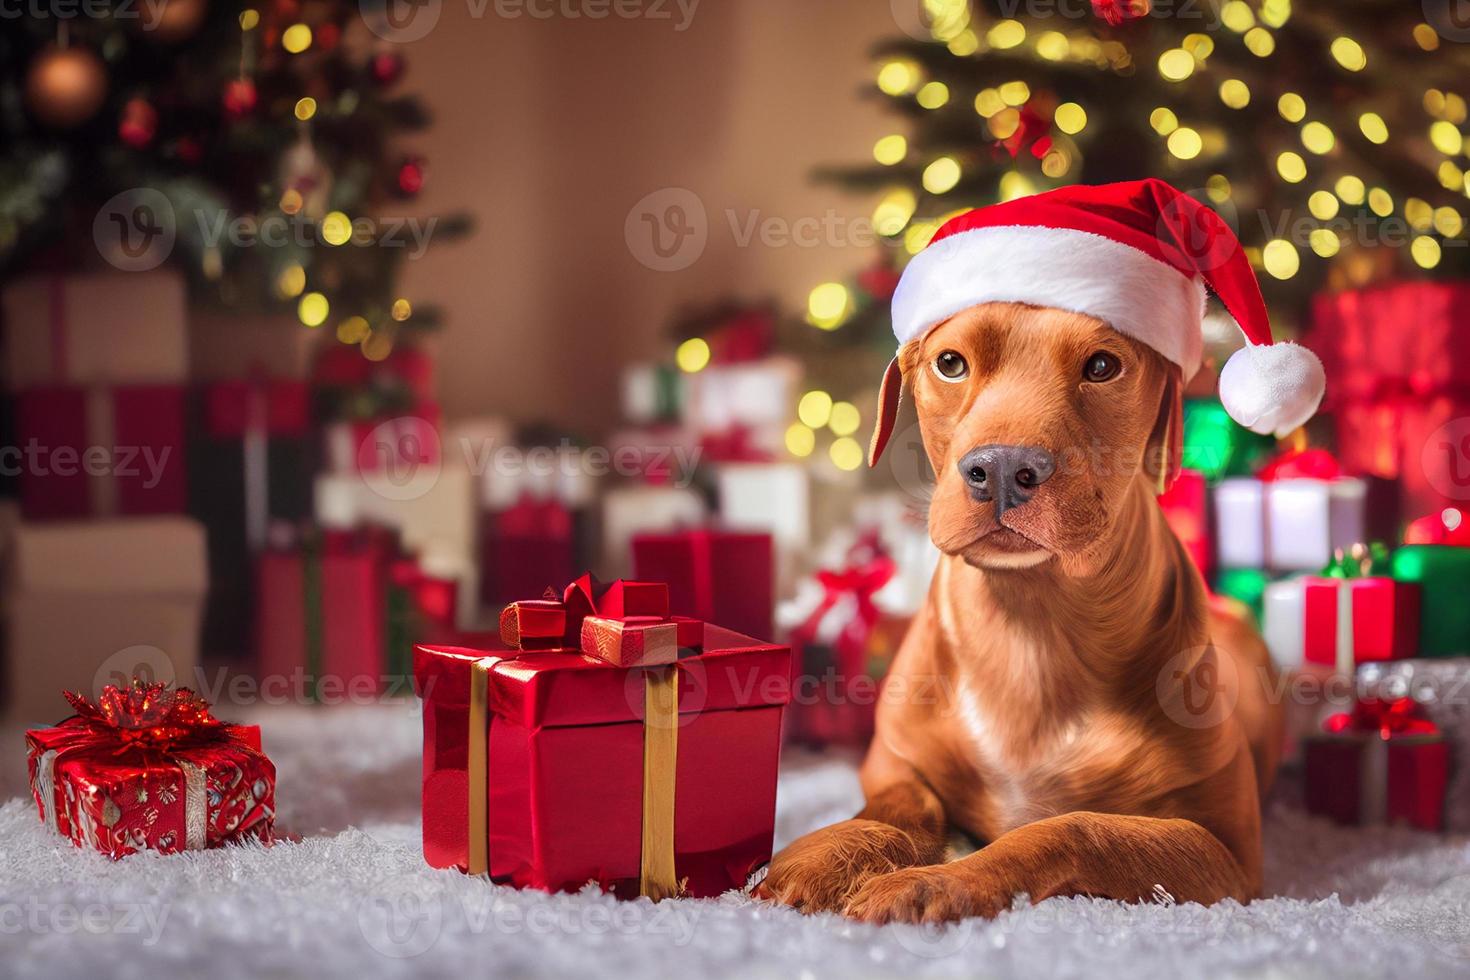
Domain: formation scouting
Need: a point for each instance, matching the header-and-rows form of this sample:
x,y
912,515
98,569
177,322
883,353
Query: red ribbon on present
x,y
734,445
1301,464
871,568
1389,718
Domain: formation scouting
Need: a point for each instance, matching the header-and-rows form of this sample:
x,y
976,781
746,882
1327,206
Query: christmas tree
x,y
1321,131
254,146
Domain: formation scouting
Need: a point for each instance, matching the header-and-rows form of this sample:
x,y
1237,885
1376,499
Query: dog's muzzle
x,y
1008,475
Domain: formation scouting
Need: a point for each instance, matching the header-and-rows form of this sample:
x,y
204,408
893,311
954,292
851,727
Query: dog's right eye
x,y
951,367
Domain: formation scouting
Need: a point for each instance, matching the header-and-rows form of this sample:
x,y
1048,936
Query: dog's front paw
x,y
942,893
820,872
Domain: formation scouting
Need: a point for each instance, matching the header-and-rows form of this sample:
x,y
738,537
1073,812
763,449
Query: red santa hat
x,y
1137,255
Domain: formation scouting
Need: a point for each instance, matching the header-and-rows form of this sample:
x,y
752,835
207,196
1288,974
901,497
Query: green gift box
x,y
1218,446
1246,585
1443,574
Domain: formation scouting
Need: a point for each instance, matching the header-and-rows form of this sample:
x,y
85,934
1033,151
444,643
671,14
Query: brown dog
x,y
1099,726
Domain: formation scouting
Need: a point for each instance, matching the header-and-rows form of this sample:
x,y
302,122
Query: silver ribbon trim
x,y
196,805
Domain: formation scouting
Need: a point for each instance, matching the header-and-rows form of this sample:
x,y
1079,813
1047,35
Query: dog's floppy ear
x,y
889,397
1165,451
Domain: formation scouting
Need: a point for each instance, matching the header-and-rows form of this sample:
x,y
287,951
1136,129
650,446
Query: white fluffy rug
x,y
354,899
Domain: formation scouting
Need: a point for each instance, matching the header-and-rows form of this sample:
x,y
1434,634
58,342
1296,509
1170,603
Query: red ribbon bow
x,y
1295,464
871,568
148,716
1388,718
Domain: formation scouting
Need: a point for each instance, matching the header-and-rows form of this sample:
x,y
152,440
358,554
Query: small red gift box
x,y
1380,764
718,576
147,768
321,613
1349,621
552,768
102,451
524,548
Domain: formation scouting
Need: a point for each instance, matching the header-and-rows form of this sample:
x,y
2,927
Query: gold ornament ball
x,y
176,21
65,86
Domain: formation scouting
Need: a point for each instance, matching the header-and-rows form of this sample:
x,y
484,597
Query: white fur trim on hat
x,y
1132,292
1272,388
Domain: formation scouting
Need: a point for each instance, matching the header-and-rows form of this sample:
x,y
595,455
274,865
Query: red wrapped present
x,y
679,759
715,575
102,452
524,548
321,614
1352,616
836,693
1186,508
407,368
149,768
1379,764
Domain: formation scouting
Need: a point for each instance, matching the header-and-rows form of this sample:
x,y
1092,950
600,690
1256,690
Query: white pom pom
x,y
1272,388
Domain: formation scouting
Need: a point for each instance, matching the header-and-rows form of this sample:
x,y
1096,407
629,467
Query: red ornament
x,y
240,97
386,68
411,176
139,123
879,281
189,149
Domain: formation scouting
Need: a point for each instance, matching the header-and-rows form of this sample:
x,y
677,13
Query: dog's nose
x,y
1008,475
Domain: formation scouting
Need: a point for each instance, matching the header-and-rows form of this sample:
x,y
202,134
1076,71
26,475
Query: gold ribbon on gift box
x,y
656,876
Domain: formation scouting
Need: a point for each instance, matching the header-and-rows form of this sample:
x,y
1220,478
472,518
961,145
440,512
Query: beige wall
x,y
549,130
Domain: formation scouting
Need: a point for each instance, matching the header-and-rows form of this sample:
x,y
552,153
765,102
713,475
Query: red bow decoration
x,y
869,570
1388,718
1297,464
552,623
148,716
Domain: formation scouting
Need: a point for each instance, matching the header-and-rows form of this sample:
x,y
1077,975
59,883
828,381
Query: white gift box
x,y
1287,525
1283,621
758,395
1310,519
774,498
641,508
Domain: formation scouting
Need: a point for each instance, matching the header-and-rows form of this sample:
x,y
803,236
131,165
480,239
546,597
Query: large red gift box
x,y
1349,621
719,576
1379,764
119,780
553,768
103,451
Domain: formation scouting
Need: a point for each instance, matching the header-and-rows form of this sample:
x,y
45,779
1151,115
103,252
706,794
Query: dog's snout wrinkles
x,y
1008,475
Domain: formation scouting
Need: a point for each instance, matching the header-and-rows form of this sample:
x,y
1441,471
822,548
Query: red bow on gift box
x,y
624,623
870,569
1398,716
1301,464
145,716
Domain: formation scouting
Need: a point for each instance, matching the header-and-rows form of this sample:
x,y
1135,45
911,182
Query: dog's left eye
x,y
1101,366
951,366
